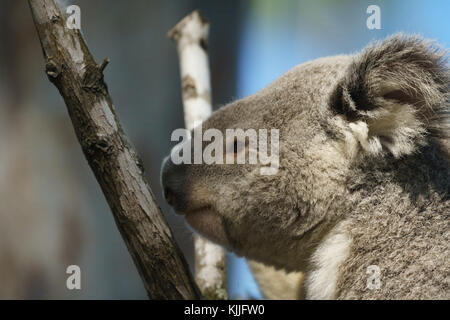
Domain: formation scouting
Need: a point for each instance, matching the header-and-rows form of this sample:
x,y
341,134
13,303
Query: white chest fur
x,y
321,281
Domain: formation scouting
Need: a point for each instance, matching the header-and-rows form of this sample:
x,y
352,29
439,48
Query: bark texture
x,y
191,38
119,171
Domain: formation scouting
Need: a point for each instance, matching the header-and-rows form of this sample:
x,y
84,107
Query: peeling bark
x,y
191,38
117,168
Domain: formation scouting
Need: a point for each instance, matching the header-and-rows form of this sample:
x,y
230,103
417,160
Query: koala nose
x,y
168,194
172,182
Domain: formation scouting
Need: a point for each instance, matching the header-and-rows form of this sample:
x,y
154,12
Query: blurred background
x,y
52,211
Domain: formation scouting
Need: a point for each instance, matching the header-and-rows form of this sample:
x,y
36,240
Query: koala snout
x,y
172,182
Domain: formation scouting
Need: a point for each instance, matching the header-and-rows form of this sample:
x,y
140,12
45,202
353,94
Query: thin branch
x,y
72,69
191,36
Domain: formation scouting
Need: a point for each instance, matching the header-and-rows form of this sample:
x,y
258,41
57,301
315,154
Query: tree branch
x,y
191,37
72,69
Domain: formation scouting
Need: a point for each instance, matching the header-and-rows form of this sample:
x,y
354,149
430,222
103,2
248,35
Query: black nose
x,y
165,167
168,194
172,182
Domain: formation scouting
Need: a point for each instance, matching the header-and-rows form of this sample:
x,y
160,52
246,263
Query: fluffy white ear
x,y
395,94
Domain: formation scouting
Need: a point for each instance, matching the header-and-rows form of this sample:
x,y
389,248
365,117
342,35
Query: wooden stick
x,y
191,36
72,69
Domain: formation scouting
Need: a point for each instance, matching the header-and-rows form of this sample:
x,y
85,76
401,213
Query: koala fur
x,y
277,284
363,175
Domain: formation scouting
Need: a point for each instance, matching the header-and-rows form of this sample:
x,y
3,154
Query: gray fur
x,y
361,155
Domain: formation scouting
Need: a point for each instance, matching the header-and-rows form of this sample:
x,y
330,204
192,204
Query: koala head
x,y
331,114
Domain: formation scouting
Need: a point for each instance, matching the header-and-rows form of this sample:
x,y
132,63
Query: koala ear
x,y
394,94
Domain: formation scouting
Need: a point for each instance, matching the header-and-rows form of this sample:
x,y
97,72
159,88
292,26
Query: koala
x,y
360,202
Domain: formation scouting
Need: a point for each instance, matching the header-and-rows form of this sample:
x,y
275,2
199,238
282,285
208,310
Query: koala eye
x,y
235,146
238,146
